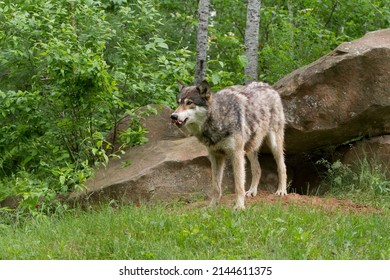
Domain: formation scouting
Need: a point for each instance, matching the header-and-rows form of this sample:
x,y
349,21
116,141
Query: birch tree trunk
x,y
201,45
291,20
252,40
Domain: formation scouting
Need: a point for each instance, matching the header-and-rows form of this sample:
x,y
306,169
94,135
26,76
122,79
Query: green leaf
x,y
242,60
215,79
62,180
163,45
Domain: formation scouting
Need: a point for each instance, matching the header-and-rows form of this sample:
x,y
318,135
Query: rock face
x,y
162,169
159,169
338,99
342,96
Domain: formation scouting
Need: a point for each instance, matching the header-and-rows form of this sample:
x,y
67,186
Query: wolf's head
x,y
193,102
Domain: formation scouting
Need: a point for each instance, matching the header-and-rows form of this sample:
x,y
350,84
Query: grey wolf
x,y
232,123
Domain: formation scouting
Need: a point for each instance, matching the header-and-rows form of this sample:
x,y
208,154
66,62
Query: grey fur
x,y
233,123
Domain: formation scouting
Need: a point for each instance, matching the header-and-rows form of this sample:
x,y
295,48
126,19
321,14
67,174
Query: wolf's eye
x,y
189,102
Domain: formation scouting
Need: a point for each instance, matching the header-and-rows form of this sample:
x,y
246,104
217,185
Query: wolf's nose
x,y
174,117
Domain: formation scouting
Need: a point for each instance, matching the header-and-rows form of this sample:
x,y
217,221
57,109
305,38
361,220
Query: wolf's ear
x,y
181,85
204,90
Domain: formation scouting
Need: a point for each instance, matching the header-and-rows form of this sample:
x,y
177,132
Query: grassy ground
x,y
267,229
263,231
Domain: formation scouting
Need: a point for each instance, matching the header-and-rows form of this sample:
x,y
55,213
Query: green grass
x,y
365,182
263,231
172,231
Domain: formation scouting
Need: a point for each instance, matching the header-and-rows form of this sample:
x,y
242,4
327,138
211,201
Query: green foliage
x,y
135,133
292,33
58,91
364,182
292,41
69,72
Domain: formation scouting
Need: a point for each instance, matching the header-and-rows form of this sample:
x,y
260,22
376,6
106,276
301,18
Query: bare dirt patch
x,y
331,204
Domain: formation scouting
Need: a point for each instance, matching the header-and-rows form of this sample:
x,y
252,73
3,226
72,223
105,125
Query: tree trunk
x,y
252,40
291,19
201,46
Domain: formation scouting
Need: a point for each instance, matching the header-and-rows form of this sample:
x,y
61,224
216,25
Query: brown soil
x,y
331,204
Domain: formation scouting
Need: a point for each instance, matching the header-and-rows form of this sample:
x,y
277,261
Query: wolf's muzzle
x,y
175,120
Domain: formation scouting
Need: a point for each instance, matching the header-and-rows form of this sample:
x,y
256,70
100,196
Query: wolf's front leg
x,y
238,162
217,168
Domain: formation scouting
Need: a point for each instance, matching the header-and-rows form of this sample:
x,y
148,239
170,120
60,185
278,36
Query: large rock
x,y
171,165
341,97
165,169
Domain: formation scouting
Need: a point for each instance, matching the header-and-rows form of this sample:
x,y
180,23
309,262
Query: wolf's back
x,y
243,110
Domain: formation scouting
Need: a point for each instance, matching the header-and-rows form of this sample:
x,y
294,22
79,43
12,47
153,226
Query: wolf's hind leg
x,y
256,173
217,168
275,141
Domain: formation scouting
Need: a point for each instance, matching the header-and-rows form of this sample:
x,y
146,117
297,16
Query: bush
x,y
69,71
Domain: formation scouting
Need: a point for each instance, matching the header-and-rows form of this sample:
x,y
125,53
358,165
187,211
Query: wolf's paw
x,y
281,192
240,203
239,207
251,193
